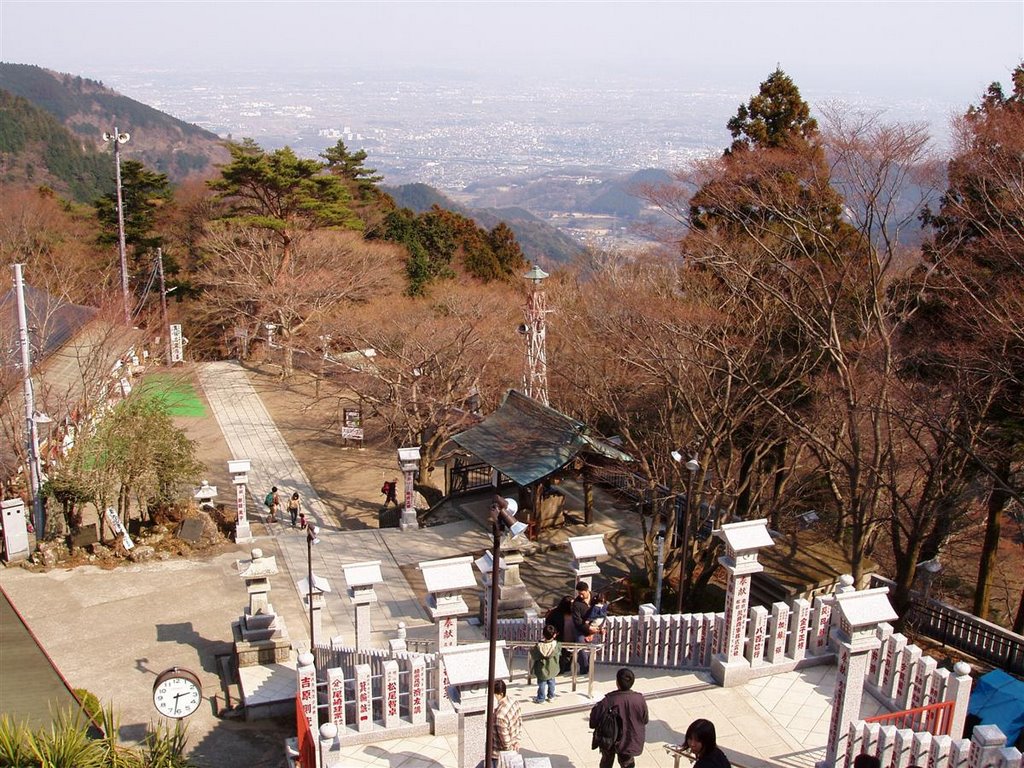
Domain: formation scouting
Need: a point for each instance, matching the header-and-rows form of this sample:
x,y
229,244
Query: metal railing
x,y
936,719
963,631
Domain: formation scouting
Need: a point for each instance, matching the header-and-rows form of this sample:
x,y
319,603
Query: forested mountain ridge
x,y
87,109
37,150
539,241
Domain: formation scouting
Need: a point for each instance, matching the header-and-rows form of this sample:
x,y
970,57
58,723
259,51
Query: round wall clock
x,y
177,693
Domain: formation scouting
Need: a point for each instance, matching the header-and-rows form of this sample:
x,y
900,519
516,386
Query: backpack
x,y
268,500
386,489
608,731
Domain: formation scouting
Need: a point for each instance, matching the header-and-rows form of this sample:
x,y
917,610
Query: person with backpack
x,y
272,501
544,663
619,721
390,491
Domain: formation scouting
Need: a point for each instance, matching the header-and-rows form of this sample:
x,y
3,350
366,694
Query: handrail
x,y
679,751
512,645
936,718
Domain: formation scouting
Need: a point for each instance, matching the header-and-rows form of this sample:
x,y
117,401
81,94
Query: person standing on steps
x,y
293,508
544,663
632,721
508,720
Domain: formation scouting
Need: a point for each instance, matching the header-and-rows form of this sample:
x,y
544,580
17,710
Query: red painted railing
x,y
934,718
307,744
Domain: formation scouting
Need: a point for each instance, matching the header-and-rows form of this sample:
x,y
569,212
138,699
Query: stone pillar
x,y
959,691
239,471
797,648
445,580
742,542
987,748
390,693
336,696
417,690
860,614
329,756
361,578
585,551
364,700
777,632
468,678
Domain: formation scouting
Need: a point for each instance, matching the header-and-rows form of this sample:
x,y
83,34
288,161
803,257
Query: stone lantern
x,y
361,578
860,613
409,463
742,542
585,551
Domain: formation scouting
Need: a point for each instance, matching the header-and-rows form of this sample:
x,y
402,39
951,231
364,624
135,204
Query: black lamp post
x,y
502,519
684,556
311,539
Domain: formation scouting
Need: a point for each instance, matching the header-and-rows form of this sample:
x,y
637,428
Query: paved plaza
x,y
112,631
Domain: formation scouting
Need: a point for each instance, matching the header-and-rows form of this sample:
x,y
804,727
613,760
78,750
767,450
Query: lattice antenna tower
x,y
535,377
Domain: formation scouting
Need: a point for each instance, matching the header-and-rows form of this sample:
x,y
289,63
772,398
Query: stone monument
x,y
239,471
260,635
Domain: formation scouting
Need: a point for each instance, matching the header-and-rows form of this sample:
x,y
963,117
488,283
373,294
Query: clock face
x,y
177,693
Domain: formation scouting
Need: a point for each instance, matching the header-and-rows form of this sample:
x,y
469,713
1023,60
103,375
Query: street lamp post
x,y
312,537
117,139
492,634
502,516
692,467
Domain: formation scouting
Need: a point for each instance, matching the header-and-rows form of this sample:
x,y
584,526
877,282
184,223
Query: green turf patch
x,y
176,392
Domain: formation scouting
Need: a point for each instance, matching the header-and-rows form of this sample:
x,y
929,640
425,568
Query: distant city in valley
x,y
450,136
457,135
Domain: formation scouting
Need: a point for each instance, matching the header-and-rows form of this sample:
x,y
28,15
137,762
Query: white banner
x,y
177,353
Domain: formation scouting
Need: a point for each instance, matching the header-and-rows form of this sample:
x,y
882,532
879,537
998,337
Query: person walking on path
x,y
508,721
273,502
632,721
702,742
390,491
293,508
544,664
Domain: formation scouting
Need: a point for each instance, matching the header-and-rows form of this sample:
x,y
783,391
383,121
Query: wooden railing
x,y
934,718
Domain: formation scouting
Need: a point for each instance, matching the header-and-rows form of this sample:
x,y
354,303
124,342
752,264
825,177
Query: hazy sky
x,y
949,50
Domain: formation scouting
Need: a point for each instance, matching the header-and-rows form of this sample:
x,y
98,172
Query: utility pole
x,y
163,299
31,426
118,138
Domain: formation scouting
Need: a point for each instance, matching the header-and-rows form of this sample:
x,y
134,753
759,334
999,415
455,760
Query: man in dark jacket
x,y
632,709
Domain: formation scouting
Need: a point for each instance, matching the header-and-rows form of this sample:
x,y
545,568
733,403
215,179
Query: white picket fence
x,y
774,641
903,748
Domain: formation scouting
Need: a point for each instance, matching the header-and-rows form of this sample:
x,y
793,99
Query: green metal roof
x,y
527,441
